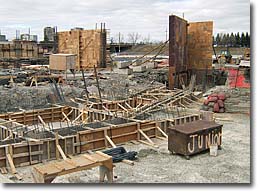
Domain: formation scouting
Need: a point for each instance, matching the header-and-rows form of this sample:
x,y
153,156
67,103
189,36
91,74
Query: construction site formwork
x,y
200,50
35,146
88,45
21,49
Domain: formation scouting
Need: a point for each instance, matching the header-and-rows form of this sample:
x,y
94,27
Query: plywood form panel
x,y
200,45
86,44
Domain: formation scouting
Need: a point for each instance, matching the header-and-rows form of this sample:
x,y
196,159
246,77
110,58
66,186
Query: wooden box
x,y
62,61
194,137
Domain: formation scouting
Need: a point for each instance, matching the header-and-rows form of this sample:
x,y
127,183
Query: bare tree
x,y
134,37
146,40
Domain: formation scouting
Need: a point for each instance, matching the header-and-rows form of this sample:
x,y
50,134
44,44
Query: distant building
x,y
77,29
28,37
3,38
49,34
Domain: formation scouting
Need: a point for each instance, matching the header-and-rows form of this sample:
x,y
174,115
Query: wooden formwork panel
x,y
4,133
26,50
22,154
124,133
91,139
143,101
86,44
2,156
96,115
29,117
200,45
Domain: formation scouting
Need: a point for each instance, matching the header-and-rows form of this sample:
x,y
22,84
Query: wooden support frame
x,y
61,152
66,117
77,117
147,138
162,132
67,114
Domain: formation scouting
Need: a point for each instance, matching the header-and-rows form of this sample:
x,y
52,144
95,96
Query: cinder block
x,y
136,62
141,68
124,71
122,64
150,65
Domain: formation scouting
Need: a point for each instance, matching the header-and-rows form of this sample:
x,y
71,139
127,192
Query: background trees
x,y
232,40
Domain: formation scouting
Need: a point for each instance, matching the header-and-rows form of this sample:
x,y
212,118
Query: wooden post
x,y
162,132
57,143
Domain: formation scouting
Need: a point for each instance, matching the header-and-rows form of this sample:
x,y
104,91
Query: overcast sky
x,y
148,17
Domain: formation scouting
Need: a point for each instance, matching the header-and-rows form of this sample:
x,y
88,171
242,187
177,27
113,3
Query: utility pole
x,y
119,40
166,34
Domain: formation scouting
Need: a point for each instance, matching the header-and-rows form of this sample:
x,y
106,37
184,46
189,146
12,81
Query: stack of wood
x,y
215,103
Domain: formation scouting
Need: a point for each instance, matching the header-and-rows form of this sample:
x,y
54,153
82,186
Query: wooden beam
x,y
162,138
110,141
149,144
192,101
128,105
138,105
146,137
66,117
162,132
122,107
67,114
77,118
41,120
61,152
11,164
57,143
128,162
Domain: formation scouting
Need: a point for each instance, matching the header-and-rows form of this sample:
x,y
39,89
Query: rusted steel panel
x,y
177,47
191,138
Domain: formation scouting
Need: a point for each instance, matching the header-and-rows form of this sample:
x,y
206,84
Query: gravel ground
x,y
232,165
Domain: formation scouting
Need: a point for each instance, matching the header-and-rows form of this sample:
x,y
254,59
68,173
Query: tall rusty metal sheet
x,y
177,49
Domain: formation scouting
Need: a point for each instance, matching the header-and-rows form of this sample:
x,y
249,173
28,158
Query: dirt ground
x,y
232,165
